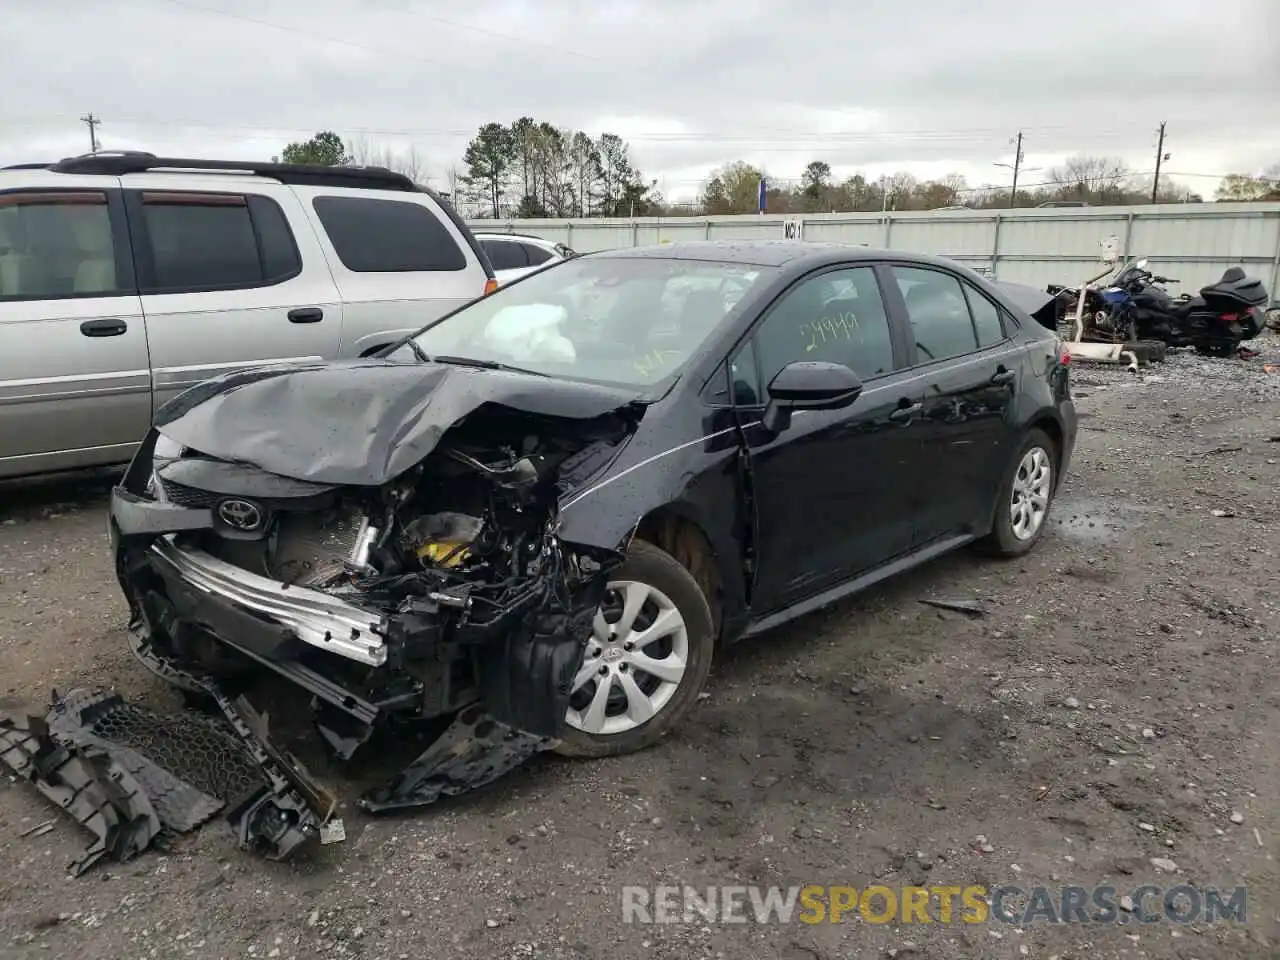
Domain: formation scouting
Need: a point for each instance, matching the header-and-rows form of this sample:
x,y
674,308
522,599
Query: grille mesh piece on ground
x,y
199,751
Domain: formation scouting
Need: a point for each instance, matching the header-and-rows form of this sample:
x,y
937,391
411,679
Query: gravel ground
x,y
1117,704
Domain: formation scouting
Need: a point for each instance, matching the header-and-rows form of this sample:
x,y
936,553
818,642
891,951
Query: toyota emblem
x,y
240,514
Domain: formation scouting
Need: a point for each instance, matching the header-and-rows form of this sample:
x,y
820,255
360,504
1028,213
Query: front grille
x,y
185,496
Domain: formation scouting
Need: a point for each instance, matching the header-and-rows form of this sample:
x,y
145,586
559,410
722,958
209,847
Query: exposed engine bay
x,y
439,609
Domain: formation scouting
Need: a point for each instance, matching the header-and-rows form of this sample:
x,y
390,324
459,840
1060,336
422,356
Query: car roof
x,y
514,237
800,255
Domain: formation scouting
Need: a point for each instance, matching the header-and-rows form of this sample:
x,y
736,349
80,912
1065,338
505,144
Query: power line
x,y
343,41
523,41
801,140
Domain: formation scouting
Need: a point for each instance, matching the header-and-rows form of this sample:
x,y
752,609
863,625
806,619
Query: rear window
x,y
536,255
387,236
504,255
216,241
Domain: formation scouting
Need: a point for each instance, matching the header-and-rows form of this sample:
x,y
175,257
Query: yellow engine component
x,y
444,553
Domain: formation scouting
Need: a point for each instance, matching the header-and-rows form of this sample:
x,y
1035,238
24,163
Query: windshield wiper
x,y
484,365
417,350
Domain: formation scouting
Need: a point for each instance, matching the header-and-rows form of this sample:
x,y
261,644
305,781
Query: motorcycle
x,y
1134,307
1224,314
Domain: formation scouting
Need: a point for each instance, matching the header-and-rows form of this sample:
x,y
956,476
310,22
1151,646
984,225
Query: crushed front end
x,y
441,600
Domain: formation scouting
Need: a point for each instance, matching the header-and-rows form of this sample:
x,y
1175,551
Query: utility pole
x,y
92,122
1160,155
1017,165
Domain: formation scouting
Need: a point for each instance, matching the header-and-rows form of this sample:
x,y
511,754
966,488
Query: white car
x,y
515,255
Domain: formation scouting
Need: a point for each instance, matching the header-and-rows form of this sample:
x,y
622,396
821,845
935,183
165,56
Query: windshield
x,y
633,322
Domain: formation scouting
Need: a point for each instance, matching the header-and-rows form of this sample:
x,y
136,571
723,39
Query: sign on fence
x,y
793,229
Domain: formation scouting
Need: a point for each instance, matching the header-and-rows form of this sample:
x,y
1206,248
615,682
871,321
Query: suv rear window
x,y
387,236
216,241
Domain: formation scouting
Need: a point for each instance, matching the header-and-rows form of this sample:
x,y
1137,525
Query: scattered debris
x,y
1071,703
1148,827
1222,513
1164,864
126,774
39,830
1237,816
85,782
969,607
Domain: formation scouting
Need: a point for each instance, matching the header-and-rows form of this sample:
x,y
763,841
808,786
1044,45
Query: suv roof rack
x,y
296,174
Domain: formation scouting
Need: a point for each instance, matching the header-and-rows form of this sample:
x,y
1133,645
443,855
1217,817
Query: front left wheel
x,y
646,660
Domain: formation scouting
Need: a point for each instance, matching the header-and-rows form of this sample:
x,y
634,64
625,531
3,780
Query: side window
x,y
938,312
986,318
744,379
504,255
388,236
837,316
216,241
536,255
55,245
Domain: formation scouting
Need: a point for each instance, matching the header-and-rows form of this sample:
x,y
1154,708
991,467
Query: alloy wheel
x,y
1032,487
635,660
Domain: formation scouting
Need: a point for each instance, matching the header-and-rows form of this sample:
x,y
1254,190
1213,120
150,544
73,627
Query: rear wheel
x,y
646,660
1026,495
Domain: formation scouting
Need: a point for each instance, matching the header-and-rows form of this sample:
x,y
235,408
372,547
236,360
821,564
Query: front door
x,y
969,370
75,387
834,492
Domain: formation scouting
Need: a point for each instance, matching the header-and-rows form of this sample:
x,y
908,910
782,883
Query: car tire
x,y
1008,536
670,592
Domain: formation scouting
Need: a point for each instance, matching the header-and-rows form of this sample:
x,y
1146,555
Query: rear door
x,y
231,276
970,370
399,260
75,386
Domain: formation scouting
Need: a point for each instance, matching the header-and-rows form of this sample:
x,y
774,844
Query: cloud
x,y
932,86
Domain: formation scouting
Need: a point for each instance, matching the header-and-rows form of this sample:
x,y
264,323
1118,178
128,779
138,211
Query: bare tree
x,y
1083,177
364,153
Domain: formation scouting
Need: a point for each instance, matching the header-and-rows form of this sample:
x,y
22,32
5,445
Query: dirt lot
x,y
1117,703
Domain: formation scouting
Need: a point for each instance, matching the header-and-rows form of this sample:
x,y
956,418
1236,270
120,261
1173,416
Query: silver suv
x,y
127,278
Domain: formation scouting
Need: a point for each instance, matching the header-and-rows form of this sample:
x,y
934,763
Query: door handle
x,y
306,315
905,414
1002,377
103,328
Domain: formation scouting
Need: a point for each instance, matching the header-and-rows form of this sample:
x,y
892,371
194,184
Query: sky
x,y
928,86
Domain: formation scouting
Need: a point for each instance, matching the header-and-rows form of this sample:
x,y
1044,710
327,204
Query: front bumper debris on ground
x,y
132,775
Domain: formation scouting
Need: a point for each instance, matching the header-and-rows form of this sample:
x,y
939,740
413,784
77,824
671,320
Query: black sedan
x,y
532,524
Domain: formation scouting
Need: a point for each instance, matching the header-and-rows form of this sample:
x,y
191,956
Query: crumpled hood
x,y
359,422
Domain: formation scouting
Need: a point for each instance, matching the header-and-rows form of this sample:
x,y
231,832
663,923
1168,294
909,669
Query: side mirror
x,y
809,385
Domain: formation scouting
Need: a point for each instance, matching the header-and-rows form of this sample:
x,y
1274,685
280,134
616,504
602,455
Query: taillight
x,y
490,285
1229,318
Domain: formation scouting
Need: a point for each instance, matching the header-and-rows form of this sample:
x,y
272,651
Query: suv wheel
x,y
1025,497
646,660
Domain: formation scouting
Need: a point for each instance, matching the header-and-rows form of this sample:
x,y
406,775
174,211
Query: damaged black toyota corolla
x,y
531,523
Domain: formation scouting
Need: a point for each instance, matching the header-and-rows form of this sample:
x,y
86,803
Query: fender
x,y
604,513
